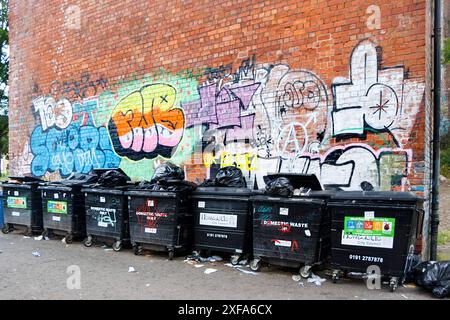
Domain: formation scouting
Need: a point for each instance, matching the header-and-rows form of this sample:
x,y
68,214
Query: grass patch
x,y
443,237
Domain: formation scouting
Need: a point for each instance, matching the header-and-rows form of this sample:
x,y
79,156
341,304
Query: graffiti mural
x,y
353,133
67,140
145,124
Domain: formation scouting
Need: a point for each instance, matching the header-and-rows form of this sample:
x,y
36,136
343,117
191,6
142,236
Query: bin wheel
x,y
46,233
117,246
393,284
88,241
305,272
335,276
28,232
69,238
255,265
171,254
235,259
137,249
6,229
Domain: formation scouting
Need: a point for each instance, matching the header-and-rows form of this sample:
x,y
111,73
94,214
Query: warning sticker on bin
x,y
15,214
17,202
218,220
56,218
282,243
150,230
362,232
57,207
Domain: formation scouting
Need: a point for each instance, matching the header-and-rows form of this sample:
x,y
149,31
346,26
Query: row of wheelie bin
x,y
294,222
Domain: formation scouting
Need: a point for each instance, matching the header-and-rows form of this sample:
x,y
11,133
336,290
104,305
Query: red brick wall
x,y
272,83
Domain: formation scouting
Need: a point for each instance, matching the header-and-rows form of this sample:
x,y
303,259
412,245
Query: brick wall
x,y
335,88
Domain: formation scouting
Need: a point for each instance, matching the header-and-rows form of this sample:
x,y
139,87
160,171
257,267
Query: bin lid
x,y
224,191
377,196
24,179
104,191
299,180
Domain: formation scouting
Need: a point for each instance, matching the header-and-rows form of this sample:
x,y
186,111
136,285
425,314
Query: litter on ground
x,y
210,270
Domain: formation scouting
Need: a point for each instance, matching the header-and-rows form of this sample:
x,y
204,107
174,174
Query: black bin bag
x,y
230,177
279,186
168,171
434,276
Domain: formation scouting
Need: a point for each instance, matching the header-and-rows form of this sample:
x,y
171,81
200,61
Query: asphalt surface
x,y
105,275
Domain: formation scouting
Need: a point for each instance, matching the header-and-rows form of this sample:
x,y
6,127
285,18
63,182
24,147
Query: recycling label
x,y
374,232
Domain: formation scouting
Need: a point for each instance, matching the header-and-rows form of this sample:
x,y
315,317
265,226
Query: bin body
x,y
291,231
63,210
106,213
222,219
160,220
374,228
22,206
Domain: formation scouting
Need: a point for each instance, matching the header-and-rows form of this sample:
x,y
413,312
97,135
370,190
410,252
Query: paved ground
x,y
104,275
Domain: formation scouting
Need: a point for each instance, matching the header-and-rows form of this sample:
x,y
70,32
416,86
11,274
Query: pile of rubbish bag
x,y
77,179
433,276
280,186
111,178
227,177
168,177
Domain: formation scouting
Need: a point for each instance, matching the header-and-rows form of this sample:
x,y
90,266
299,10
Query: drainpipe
x,y
436,127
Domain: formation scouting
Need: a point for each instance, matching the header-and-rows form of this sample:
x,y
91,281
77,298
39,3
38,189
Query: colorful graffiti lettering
x,y
67,147
145,124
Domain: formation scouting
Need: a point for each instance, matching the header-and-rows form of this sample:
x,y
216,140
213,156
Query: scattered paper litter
x,y
108,249
316,280
38,238
147,285
26,237
301,284
215,258
247,272
404,296
63,240
199,265
296,277
131,269
210,270
36,254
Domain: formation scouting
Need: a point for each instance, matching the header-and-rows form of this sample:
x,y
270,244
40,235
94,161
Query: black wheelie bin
x,y
222,215
374,228
22,205
63,207
159,212
291,229
107,209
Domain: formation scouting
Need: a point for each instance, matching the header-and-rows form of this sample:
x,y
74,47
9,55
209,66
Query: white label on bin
x,y
201,204
102,224
284,211
56,196
308,233
218,220
56,218
238,251
367,241
150,203
102,199
16,193
282,243
15,214
369,215
150,230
